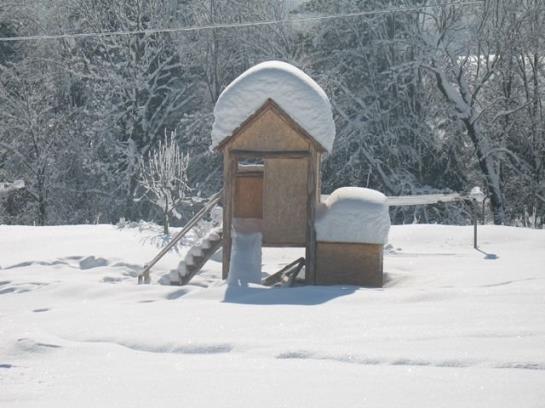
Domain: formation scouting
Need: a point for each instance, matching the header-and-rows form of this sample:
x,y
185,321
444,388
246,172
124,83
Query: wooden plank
x,y
277,276
343,263
229,170
292,276
318,171
249,195
284,245
312,194
250,169
285,201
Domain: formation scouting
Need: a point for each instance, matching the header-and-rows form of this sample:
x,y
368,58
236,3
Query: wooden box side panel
x,y
249,196
340,263
269,132
285,202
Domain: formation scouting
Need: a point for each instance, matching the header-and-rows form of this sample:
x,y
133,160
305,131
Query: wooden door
x,y
285,202
249,195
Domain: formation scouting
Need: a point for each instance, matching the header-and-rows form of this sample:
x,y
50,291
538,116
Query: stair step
x,y
195,258
174,277
204,245
196,251
182,268
194,262
207,244
189,260
215,235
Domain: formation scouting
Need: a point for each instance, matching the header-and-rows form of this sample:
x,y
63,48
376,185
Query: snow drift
x,y
293,90
452,328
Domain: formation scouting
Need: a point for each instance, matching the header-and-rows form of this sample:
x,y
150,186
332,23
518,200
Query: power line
x,y
236,25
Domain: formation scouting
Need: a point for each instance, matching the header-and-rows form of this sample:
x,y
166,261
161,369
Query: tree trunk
x,y
130,212
491,175
42,198
42,209
482,150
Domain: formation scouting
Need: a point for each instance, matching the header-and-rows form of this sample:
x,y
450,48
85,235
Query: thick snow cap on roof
x,y
354,214
293,90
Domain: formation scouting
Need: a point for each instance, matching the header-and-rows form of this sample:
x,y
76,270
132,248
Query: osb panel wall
x,y
318,178
249,196
340,263
269,132
285,202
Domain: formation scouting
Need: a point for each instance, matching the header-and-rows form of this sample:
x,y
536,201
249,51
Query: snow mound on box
x,y
293,90
354,214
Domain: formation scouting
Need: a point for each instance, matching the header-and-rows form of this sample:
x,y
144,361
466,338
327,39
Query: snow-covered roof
x,y
293,90
354,214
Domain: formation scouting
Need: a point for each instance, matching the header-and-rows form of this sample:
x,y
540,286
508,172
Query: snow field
x,y
453,327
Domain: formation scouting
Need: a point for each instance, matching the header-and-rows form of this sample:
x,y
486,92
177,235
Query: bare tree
x,y
33,122
141,85
463,54
163,176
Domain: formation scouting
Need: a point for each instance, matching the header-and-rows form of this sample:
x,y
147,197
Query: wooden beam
x,y
250,174
277,154
229,170
277,276
310,253
267,244
243,169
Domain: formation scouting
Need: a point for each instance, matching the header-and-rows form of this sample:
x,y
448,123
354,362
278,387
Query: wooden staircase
x,y
144,276
196,257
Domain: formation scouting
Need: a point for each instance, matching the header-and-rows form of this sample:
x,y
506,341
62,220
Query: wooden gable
x,y
270,128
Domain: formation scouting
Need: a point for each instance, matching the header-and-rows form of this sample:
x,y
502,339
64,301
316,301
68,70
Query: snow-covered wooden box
x,y
351,229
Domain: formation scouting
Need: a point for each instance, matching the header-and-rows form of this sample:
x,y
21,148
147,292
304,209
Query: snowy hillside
x,y
453,327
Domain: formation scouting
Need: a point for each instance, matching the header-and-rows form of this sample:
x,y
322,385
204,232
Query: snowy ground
x,y
453,327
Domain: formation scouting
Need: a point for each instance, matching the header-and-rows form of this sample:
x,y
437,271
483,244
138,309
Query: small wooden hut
x,y
273,124
272,173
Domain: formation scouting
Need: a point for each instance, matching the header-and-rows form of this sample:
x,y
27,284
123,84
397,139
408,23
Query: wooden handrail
x,y
144,276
